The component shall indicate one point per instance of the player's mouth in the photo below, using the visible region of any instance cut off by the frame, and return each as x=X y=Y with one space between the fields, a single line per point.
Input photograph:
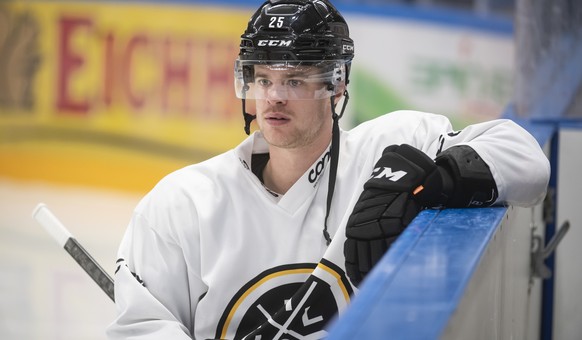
x=277 y=118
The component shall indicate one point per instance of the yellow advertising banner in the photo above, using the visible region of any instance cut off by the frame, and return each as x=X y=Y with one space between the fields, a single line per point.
x=114 y=94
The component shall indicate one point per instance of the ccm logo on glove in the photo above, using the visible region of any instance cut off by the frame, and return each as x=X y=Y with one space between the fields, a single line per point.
x=387 y=173
x=391 y=199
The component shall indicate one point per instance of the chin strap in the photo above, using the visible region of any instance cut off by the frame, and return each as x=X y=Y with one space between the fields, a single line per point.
x=335 y=146
x=248 y=118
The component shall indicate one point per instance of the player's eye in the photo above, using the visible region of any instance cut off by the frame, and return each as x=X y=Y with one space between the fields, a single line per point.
x=294 y=82
x=263 y=82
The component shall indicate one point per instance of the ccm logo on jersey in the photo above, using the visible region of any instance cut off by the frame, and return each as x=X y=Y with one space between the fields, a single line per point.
x=275 y=43
x=318 y=168
x=385 y=172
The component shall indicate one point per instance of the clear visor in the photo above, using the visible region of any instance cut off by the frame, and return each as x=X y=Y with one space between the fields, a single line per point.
x=288 y=80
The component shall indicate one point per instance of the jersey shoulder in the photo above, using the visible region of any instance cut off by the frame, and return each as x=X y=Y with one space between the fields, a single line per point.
x=195 y=180
x=397 y=127
x=399 y=119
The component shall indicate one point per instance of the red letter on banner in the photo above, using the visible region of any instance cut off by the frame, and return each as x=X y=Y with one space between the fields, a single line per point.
x=68 y=63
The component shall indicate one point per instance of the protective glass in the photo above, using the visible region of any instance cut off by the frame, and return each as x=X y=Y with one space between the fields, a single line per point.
x=288 y=80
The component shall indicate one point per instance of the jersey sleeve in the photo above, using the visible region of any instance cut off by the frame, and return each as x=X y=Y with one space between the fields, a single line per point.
x=517 y=163
x=156 y=289
x=519 y=166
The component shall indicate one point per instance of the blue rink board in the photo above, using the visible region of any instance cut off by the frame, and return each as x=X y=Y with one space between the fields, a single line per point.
x=415 y=288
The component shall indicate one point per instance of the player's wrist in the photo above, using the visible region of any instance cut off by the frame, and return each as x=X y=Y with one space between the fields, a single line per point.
x=473 y=184
x=436 y=190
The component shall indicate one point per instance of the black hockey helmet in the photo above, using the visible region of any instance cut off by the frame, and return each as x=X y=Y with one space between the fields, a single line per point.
x=295 y=33
x=297 y=30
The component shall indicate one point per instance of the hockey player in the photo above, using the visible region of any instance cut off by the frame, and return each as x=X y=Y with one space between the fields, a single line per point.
x=273 y=237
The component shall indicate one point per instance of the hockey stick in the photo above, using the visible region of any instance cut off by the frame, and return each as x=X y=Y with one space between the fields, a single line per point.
x=65 y=239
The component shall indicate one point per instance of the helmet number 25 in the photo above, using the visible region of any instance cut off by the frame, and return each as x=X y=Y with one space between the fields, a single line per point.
x=276 y=22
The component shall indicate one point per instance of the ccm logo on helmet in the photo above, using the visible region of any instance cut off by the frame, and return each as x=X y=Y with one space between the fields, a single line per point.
x=347 y=48
x=275 y=43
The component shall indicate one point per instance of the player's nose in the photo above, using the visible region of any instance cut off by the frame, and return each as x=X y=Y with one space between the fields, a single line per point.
x=277 y=94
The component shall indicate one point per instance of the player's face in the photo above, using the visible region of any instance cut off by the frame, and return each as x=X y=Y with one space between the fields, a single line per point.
x=287 y=122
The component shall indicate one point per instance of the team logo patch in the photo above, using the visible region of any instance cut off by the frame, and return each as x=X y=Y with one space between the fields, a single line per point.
x=286 y=302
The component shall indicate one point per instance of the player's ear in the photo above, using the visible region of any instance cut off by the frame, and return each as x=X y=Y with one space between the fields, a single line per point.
x=251 y=106
x=339 y=93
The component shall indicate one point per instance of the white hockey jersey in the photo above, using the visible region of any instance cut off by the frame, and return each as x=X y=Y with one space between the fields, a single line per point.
x=211 y=254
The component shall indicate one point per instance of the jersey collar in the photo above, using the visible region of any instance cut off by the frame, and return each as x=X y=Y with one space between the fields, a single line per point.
x=303 y=190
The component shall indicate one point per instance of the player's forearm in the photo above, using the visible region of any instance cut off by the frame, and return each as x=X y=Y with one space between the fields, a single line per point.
x=520 y=168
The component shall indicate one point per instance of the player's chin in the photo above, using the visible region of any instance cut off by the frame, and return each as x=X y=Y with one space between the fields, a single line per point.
x=276 y=128
x=278 y=138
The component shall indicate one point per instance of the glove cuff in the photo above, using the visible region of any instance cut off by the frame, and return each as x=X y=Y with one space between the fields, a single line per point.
x=437 y=190
x=472 y=181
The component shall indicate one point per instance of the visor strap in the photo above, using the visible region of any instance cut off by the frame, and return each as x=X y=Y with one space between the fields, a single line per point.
x=346 y=98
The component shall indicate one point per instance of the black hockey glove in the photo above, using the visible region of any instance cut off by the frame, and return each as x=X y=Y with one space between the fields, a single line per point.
x=404 y=181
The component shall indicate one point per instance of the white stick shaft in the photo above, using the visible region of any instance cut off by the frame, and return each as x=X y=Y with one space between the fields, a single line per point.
x=51 y=223
x=66 y=240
